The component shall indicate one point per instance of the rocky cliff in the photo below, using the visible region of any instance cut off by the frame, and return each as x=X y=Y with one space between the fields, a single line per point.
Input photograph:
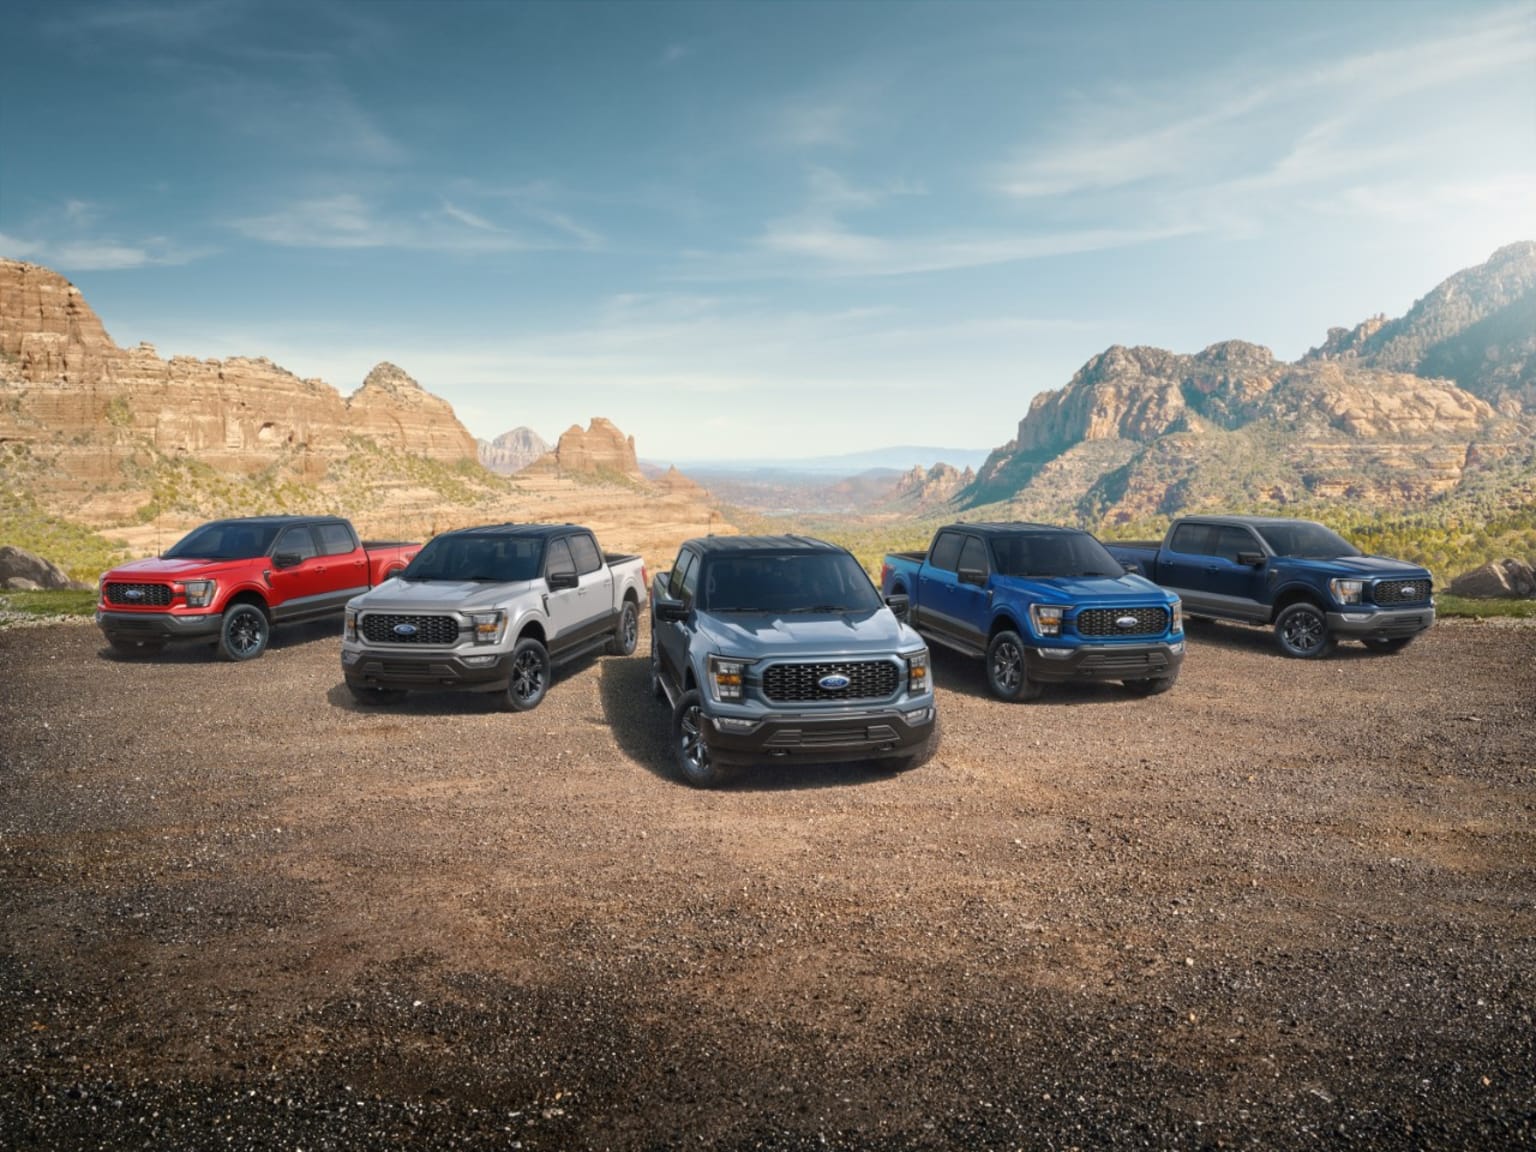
x=511 y=451
x=1355 y=419
x=599 y=450
x=933 y=485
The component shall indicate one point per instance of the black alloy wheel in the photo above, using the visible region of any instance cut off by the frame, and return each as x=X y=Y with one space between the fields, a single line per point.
x=529 y=678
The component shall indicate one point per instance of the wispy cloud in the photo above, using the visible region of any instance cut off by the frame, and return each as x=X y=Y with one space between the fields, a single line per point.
x=71 y=237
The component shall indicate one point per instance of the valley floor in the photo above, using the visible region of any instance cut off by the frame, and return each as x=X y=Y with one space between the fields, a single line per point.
x=1287 y=905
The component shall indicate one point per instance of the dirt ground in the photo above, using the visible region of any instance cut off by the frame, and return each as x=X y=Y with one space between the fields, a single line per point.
x=1287 y=905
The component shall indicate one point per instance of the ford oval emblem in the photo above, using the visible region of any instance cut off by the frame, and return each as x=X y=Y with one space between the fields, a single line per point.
x=133 y=594
x=835 y=682
x=1126 y=622
x=405 y=629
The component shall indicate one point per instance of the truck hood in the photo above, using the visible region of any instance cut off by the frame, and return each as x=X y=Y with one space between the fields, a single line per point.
x=1365 y=567
x=396 y=595
x=1114 y=591
x=156 y=567
x=875 y=632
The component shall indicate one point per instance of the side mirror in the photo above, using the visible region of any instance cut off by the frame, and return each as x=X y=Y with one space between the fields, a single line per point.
x=672 y=610
x=899 y=603
x=972 y=576
x=565 y=578
x=1252 y=559
x=287 y=560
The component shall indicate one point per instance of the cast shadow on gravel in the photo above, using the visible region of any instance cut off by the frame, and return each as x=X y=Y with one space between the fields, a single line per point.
x=966 y=676
x=642 y=724
x=1245 y=638
x=206 y=651
x=451 y=703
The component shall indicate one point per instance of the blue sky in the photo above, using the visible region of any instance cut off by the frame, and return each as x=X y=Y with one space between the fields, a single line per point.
x=756 y=229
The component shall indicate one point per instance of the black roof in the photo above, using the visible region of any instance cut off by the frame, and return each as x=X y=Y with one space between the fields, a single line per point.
x=999 y=527
x=734 y=545
x=538 y=531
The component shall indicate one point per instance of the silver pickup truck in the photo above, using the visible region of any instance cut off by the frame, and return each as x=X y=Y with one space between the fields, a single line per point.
x=490 y=610
x=779 y=647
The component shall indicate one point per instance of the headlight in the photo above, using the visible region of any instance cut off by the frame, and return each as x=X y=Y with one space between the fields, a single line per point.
x=1346 y=591
x=917 y=672
x=726 y=677
x=199 y=593
x=489 y=626
x=1046 y=618
x=349 y=628
x=1177 y=614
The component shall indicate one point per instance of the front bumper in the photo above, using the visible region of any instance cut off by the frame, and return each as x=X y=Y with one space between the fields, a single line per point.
x=1105 y=662
x=158 y=627
x=426 y=671
x=1383 y=624
x=819 y=738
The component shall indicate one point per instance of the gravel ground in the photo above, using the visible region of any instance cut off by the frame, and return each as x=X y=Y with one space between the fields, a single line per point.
x=1288 y=905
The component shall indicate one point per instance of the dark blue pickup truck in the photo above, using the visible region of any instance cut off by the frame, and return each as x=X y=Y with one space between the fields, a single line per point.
x=1042 y=604
x=1306 y=580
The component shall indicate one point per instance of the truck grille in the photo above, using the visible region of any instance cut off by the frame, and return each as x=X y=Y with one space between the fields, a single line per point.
x=1400 y=591
x=439 y=631
x=867 y=680
x=1103 y=621
x=139 y=595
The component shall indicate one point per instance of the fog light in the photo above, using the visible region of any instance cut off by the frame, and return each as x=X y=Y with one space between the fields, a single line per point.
x=480 y=661
x=1356 y=617
x=731 y=724
x=1176 y=647
x=1055 y=653
x=921 y=716
x=350 y=658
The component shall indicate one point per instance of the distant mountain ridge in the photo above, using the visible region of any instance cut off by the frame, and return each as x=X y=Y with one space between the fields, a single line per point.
x=1140 y=433
x=512 y=451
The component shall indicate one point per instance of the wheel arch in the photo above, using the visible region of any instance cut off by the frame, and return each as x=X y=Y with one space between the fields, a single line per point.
x=1295 y=594
x=1004 y=621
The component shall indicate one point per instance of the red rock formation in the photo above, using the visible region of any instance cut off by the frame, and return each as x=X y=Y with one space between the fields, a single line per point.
x=599 y=450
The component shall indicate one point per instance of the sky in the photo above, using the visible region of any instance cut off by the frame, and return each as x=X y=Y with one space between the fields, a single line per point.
x=748 y=230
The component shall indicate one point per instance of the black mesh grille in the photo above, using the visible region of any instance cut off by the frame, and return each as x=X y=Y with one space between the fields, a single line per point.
x=440 y=631
x=1105 y=621
x=867 y=680
x=1401 y=592
x=140 y=595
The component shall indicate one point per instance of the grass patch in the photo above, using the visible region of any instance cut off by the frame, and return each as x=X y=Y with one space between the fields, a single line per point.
x=51 y=602
x=1480 y=609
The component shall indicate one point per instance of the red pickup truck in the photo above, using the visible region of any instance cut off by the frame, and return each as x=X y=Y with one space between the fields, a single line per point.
x=231 y=580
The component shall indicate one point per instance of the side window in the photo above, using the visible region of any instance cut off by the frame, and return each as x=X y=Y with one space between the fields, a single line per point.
x=587 y=558
x=559 y=558
x=685 y=561
x=1230 y=540
x=946 y=551
x=691 y=581
x=299 y=540
x=973 y=554
x=336 y=540
x=1192 y=539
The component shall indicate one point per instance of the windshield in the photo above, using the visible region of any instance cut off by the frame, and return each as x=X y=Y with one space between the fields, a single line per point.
x=1052 y=554
x=1305 y=540
x=224 y=540
x=793 y=582
x=498 y=559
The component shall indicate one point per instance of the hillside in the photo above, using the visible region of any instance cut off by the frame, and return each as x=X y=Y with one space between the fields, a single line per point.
x=101 y=441
x=1431 y=415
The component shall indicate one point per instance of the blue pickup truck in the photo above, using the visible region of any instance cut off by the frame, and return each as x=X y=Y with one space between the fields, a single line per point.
x=1306 y=580
x=1041 y=604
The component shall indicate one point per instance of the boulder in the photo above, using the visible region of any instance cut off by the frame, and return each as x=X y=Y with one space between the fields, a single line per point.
x=1498 y=579
x=20 y=571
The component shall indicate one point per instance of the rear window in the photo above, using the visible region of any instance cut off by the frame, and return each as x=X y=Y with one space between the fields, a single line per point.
x=787 y=582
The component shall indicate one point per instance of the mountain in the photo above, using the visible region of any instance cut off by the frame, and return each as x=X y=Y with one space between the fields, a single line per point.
x=599 y=450
x=511 y=451
x=1391 y=414
x=899 y=458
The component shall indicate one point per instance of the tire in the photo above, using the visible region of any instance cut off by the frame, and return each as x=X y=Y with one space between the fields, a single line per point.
x=371 y=697
x=1390 y=646
x=529 y=679
x=1007 y=670
x=925 y=753
x=244 y=633
x=626 y=633
x=689 y=747
x=1301 y=631
x=135 y=647
x=1151 y=685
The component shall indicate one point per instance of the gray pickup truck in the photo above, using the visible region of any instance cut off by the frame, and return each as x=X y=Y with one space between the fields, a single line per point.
x=779 y=647
x=490 y=610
